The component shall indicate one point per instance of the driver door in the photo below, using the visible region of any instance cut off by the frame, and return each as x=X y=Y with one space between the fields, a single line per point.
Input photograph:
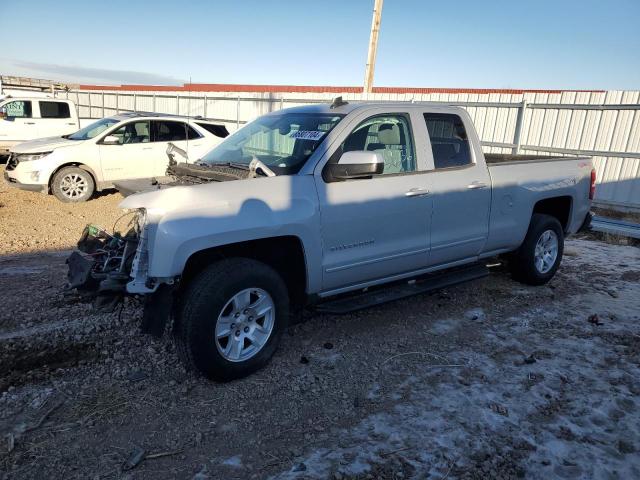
x=376 y=227
x=18 y=123
x=133 y=157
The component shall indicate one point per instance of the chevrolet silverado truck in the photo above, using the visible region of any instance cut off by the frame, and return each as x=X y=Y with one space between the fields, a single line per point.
x=335 y=206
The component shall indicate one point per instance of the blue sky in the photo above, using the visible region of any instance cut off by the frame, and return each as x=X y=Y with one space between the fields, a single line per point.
x=584 y=44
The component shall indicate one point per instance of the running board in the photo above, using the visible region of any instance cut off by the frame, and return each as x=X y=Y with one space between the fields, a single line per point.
x=425 y=284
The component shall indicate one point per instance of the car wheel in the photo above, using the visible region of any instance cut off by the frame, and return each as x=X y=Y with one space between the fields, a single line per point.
x=231 y=318
x=73 y=185
x=539 y=256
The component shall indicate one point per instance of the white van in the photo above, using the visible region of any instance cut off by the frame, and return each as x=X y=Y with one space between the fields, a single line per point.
x=24 y=118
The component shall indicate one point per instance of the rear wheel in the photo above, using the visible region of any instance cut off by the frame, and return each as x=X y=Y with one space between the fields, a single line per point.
x=232 y=317
x=73 y=185
x=539 y=256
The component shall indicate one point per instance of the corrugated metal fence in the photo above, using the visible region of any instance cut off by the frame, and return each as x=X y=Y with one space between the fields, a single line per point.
x=605 y=125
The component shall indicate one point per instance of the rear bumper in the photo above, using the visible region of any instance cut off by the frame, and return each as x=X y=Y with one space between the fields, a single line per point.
x=32 y=187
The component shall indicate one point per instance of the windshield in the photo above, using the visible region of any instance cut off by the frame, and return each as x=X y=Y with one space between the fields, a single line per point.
x=94 y=129
x=282 y=142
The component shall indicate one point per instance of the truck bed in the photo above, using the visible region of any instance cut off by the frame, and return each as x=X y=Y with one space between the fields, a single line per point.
x=518 y=182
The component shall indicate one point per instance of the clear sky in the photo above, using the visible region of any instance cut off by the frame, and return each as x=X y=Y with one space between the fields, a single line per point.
x=581 y=44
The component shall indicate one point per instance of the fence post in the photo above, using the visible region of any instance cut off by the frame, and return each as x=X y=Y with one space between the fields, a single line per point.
x=238 y=114
x=103 y=104
x=135 y=102
x=281 y=103
x=90 y=109
x=154 y=102
x=519 y=122
x=205 y=106
x=117 y=103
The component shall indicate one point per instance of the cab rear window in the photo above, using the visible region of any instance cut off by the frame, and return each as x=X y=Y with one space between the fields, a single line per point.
x=54 y=110
x=449 y=142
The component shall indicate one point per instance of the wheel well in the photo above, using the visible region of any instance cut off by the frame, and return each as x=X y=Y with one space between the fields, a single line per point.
x=284 y=254
x=558 y=207
x=73 y=164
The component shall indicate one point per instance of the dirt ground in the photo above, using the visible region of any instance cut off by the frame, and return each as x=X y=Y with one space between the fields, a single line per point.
x=490 y=379
x=33 y=222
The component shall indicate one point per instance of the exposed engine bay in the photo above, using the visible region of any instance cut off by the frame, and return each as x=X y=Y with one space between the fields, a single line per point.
x=185 y=173
x=101 y=266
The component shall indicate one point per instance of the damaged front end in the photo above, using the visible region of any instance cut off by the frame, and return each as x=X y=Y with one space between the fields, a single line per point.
x=104 y=264
x=106 y=267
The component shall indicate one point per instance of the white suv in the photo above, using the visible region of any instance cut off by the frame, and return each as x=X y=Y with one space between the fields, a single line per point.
x=126 y=146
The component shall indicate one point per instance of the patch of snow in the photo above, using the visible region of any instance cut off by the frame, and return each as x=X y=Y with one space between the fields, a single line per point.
x=235 y=461
x=545 y=387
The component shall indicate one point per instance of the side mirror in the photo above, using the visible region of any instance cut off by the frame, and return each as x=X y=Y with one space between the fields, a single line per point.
x=111 y=140
x=3 y=114
x=358 y=164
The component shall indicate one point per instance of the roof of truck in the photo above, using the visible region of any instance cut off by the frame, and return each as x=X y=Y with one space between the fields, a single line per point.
x=358 y=105
x=26 y=97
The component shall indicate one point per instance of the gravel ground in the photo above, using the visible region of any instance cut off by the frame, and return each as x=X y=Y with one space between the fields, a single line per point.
x=32 y=222
x=491 y=379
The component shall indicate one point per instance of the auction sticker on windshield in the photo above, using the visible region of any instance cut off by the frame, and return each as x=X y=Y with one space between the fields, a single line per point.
x=307 y=134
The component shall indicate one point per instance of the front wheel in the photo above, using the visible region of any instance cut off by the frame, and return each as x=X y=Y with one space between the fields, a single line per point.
x=73 y=185
x=231 y=318
x=539 y=256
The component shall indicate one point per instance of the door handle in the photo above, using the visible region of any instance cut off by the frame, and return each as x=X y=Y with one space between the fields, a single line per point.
x=417 y=192
x=147 y=148
x=29 y=123
x=476 y=185
x=70 y=123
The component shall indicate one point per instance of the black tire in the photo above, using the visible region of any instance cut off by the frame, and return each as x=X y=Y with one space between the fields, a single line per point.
x=523 y=264
x=204 y=300
x=62 y=191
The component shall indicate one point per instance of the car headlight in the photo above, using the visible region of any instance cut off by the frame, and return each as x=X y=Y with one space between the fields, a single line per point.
x=28 y=157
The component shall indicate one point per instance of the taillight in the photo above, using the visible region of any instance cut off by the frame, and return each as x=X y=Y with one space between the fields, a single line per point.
x=592 y=189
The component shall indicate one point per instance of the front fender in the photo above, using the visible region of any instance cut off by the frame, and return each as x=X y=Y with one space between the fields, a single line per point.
x=213 y=215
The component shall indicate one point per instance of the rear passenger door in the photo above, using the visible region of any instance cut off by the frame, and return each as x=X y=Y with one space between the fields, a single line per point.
x=182 y=135
x=461 y=191
x=55 y=119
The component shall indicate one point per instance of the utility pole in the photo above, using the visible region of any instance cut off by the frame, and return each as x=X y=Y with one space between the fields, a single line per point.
x=373 y=46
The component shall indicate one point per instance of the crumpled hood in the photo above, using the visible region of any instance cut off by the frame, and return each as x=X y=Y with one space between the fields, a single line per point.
x=44 y=145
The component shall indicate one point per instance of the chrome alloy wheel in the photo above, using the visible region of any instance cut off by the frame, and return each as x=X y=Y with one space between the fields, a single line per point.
x=245 y=324
x=546 y=251
x=74 y=186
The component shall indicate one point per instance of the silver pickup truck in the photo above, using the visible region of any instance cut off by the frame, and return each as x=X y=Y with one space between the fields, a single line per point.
x=335 y=206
